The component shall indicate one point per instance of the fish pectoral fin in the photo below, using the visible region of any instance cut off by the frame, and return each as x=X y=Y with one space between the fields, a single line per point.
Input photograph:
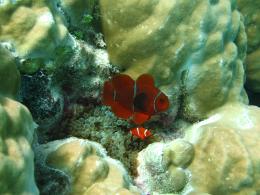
x=139 y=118
x=121 y=112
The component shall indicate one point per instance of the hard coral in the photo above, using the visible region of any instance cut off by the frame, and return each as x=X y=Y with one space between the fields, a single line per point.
x=9 y=75
x=83 y=74
x=86 y=165
x=16 y=137
x=216 y=156
x=44 y=101
x=35 y=28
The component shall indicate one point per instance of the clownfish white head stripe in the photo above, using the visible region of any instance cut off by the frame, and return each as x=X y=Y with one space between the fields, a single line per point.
x=154 y=105
x=145 y=132
x=140 y=132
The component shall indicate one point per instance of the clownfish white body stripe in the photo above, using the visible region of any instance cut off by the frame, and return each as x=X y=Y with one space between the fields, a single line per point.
x=141 y=132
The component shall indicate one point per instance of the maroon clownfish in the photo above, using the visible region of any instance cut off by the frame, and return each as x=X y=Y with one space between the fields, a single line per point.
x=141 y=132
x=136 y=100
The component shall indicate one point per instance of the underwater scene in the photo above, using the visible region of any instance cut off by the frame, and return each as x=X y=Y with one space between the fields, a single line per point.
x=130 y=97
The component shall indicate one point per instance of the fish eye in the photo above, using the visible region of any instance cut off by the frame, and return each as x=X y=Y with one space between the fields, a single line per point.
x=161 y=103
x=161 y=100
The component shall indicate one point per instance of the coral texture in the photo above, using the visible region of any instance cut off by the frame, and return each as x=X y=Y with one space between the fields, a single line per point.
x=34 y=28
x=76 y=9
x=74 y=79
x=253 y=71
x=200 y=45
x=86 y=165
x=9 y=75
x=16 y=155
x=250 y=9
x=16 y=133
x=219 y=155
x=102 y=126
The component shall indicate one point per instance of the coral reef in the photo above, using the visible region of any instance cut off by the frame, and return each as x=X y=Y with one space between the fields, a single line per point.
x=85 y=165
x=195 y=50
x=33 y=28
x=9 y=75
x=216 y=156
x=76 y=9
x=101 y=125
x=16 y=133
x=83 y=20
x=16 y=155
x=203 y=42
x=253 y=71
x=83 y=73
x=250 y=10
x=52 y=94
x=45 y=102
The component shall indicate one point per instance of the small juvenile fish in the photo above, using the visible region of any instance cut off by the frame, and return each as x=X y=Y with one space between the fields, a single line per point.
x=136 y=100
x=140 y=132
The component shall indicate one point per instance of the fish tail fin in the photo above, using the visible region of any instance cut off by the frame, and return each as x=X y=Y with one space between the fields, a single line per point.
x=108 y=94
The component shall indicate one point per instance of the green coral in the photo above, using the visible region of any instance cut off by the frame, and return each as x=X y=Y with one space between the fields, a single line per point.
x=9 y=75
x=87 y=19
x=30 y=66
x=16 y=136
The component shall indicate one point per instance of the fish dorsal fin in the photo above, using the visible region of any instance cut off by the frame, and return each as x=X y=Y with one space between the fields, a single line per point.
x=145 y=79
x=121 y=82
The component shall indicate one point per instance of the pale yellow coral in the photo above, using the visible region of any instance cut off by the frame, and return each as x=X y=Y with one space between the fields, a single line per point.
x=192 y=48
x=220 y=155
x=34 y=28
x=90 y=170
